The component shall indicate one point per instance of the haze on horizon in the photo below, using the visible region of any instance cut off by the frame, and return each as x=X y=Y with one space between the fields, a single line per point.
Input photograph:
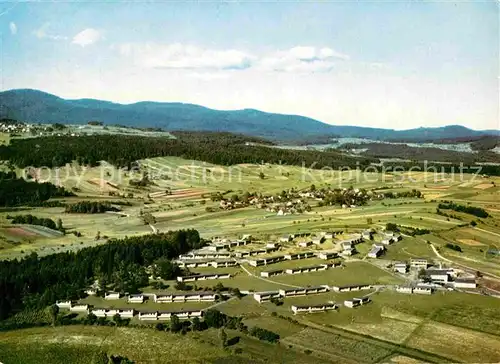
x=395 y=65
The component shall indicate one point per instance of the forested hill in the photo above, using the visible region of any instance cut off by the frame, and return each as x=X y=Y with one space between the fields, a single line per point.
x=34 y=106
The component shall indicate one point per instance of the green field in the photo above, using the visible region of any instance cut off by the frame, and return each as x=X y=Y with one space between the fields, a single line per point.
x=447 y=326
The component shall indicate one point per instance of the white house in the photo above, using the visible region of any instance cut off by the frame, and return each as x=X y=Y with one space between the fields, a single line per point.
x=465 y=283
x=265 y=296
x=328 y=255
x=271 y=273
x=404 y=289
x=302 y=291
x=356 y=302
x=272 y=245
x=377 y=250
x=63 y=304
x=439 y=275
x=419 y=289
x=401 y=267
x=135 y=298
x=304 y=244
x=148 y=315
x=419 y=263
x=111 y=296
x=79 y=308
x=314 y=308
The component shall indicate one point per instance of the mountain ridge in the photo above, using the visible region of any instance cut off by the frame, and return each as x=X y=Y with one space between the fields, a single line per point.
x=35 y=106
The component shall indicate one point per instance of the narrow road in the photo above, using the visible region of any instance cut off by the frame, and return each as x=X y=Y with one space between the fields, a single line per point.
x=155 y=230
x=267 y=280
x=486 y=231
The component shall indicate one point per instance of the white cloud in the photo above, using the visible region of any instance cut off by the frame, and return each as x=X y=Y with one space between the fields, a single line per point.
x=13 y=28
x=302 y=59
x=180 y=56
x=43 y=32
x=87 y=37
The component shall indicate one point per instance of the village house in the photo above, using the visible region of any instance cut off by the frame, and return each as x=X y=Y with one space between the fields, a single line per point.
x=387 y=241
x=185 y=297
x=63 y=304
x=355 y=302
x=112 y=296
x=439 y=275
x=367 y=234
x=239 y=243
x=467 y=283
x=126 y=313
x=148 y=315
x=202 y=277
x=313 y=268
x=355 y=287
x=223 y=263
x=271 y=273
x=404 y=289
x=296 y=256
x=318 y=240
x=304 y=244
x=401 y=267
x=135 y=298
x=265 y=261
x=183 y=314
x=272 y=245
x=314 y=308
x=79 y=308
x=346 y=245
x=419 y=263
x=286 y=238
x=218 y=247
x=348 y=252
x=377 y=250
x=265 y=296
x=302 y=291
x=327 y=255
x=421 y=289
x=91 y=292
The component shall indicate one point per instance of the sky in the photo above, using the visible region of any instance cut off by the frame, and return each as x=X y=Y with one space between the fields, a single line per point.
x=389 y=64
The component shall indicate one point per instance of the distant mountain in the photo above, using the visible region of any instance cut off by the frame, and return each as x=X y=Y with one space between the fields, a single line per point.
x=35 y=106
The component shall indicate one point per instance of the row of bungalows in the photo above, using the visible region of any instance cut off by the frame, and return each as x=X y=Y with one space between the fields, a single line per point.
x=167 y=315
x=355 y=302
x=419 y=263
x=314 y=308
x=326 y=255
x=419 y=289
x=302 y=255
x=204 y=263
x=205 y=255
x=305 y=244
x=203 y=277
x=272 y=273
x=349 y=288
x=69 y=305
x=185 y=297
x=376 y=251
x=266 y=296
x=250 y=253
x=266 y=261
x=136 y=298
x=304 y=291
x=312 y=268
x=401 y=267
x=110 y=312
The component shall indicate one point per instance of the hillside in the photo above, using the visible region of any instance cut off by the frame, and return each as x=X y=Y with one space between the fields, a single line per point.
x=35 y=106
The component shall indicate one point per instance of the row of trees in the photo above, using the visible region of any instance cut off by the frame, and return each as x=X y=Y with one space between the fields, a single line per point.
x=35 y=282
x=471 y=210
x=17 y=191
x=41 y=221
x=124 y=150
x=89 y=207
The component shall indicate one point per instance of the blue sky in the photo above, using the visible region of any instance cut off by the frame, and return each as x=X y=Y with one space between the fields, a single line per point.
x=385 y=64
